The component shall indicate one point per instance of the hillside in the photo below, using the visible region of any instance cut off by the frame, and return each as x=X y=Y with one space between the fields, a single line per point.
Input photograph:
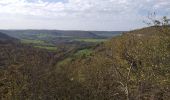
x=129 y=67
x=6 y=38
x=60 y=33
x=133 y=66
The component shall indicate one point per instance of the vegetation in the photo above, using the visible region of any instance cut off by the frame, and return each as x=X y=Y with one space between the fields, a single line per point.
x=58 y=37
x=133 y=66
x=51 y=48
x=26 y=41
x=91 y=40
x=84 y=52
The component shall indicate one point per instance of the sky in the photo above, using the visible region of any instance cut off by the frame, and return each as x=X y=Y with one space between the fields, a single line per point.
x=100 y=15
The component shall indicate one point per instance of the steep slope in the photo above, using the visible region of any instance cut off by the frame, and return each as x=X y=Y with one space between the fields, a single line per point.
x=128 y=67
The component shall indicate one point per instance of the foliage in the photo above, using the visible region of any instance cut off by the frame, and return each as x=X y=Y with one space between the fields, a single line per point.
x=133 y=66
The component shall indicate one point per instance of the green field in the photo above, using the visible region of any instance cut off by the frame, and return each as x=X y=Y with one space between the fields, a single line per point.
x=39 y=44
x=36 y=42
x=48 y=46
x=27 y=41
x=78 y=54
x=84 y=52
x=91 y=40
x=51 y=48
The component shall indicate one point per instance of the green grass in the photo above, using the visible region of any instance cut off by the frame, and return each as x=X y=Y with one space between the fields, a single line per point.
x=27 y=41
x=80 y=53
x=36 y=42
x=84 y=52
x=51 y=48
x=39 y=44
x=91 y=40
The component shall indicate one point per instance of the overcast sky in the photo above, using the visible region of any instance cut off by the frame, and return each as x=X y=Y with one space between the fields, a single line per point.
x=79 y=14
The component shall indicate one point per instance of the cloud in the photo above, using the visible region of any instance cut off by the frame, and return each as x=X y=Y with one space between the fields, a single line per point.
x=60 y=8
x=81 y=14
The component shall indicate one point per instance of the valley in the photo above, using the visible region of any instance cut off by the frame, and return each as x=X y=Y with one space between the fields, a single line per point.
x=51 y=39
x=84 y=49
x=93 y=68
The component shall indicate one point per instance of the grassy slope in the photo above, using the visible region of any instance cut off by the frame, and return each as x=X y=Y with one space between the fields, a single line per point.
x=79 y=54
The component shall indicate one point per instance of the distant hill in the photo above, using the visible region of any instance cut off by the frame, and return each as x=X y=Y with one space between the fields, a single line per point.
x=60 y=33
x=5 y=38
